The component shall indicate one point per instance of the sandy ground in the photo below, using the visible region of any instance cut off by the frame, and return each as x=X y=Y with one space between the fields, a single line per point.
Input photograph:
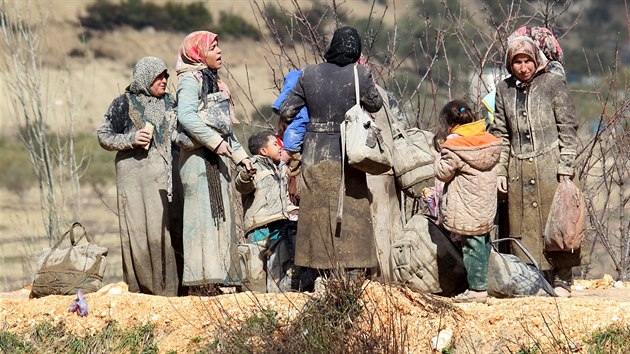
x=498 y=326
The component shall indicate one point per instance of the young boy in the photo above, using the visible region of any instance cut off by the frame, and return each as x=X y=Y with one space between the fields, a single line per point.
x=269 y=214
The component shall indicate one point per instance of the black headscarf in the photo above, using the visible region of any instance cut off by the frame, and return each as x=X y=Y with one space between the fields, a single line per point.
x=345 y=47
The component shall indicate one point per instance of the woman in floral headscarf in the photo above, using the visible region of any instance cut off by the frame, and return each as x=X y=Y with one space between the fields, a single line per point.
x=149 y=192
x=328 y=91
x=535 y=117
x=205 y=115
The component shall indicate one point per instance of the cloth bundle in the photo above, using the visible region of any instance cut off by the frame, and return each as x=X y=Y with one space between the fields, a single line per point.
x=509 y=276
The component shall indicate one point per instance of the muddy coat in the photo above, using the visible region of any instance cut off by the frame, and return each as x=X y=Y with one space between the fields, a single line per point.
x=385 y=205
x=538 y=127
x=210 y=241
x=150 y=219
x=468 y=167
x=328 y=91
x=266 y=197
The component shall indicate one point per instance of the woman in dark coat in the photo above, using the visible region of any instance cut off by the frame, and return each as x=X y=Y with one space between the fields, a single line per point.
x=536 y=119
x=327 y=89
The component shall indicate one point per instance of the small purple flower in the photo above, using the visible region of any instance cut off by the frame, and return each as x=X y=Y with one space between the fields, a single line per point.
x=79 y=305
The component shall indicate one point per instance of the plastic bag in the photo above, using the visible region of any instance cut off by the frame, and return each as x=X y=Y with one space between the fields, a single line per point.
x=564 y=230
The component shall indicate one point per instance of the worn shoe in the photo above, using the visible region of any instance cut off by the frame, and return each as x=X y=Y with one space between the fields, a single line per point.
x=562 y=292
x=472 y=296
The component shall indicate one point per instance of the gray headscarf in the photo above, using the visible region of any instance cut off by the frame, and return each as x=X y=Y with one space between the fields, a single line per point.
x=145 y=71
x=151 y=109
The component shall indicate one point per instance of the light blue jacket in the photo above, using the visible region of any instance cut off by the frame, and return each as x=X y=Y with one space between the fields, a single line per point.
x=294 y=134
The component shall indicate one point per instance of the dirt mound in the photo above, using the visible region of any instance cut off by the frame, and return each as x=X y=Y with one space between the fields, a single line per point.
x=492 y=327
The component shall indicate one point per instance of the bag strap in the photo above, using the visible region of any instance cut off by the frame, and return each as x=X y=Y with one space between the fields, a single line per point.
x=545 y=284
x=85 y=234
x=392 y=123
x=72 y=241
x=356 y=85
x=342 y=187
x=342 y=128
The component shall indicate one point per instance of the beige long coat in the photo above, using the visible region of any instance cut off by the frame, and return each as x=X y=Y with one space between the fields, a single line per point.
x=385 y=205
x=538 y=127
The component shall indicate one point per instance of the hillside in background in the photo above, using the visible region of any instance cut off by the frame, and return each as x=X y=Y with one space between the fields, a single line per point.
x=84 y=67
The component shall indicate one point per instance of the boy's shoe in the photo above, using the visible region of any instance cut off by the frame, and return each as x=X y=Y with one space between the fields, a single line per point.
x=472 y=296
x=320 y=285
x=562 y=292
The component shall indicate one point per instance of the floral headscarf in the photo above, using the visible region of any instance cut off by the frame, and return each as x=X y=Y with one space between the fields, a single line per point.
x=345 y=47
x=544 y=39
x=144 y=73
x=191 y=57
x=525 y=45
x=192 y=53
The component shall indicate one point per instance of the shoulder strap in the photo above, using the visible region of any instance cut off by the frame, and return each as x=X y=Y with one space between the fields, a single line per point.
x=356 y=85
x=342 y=187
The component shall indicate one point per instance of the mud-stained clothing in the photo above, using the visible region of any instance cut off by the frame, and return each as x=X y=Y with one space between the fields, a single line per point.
x=147 y=183
x=210 y=235
x=385 y=205
x=538 y=125
x=328 y=91
x=468 y=167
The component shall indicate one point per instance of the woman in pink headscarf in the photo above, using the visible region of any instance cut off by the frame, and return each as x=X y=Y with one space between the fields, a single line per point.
x=205 y=115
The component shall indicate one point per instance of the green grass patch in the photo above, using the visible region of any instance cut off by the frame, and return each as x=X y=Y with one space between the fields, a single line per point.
x=50 y=337
x=611 y=340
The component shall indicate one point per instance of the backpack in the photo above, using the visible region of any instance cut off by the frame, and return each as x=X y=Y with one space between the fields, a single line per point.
x=426 y=260
x=412 y=158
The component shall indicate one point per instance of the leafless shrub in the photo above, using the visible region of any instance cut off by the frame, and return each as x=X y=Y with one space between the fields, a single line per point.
x=52 y=155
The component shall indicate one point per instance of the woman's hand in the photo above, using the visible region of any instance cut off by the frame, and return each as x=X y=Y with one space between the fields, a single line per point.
x=142 y=138
x=224 y=149
x=502 y=184
x=249 y=167
x=285 y=156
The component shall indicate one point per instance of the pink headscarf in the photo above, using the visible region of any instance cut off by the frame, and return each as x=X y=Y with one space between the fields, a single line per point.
x=191 y=55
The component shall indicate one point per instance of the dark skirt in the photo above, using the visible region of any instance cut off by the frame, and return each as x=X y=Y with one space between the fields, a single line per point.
x=322 y=242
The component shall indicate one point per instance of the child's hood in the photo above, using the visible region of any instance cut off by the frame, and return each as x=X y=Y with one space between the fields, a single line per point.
x=476 y=147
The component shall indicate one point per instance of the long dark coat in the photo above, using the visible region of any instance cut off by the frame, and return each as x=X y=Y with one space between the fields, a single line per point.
x=328 y=91
x=538 y=127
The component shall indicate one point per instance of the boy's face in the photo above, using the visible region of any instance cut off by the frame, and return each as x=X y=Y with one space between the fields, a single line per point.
x=271 y=149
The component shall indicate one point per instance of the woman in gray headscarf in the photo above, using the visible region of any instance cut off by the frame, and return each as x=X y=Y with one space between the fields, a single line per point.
x=138 y=125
